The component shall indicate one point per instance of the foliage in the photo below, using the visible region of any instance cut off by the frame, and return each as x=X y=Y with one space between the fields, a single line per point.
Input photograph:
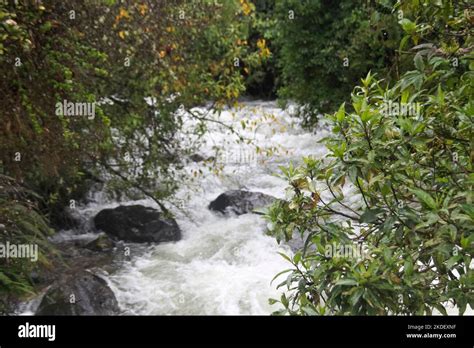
x=113 y=54
x=140 y=64
x=324 y=47
x=263 y=80
x=21 y=223
x=397 y=186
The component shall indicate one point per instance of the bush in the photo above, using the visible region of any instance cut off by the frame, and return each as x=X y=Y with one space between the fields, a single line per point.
x=388 y=215
x=114 y=54
x=314 y=39
x=137 y=63
x=21 y=224
x=262 y=81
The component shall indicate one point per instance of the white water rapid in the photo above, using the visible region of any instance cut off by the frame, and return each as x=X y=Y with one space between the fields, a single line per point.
x=222 y=265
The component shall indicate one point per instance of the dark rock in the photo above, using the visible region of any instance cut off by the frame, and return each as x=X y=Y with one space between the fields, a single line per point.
x=75 y=253
x=197 y=158
x=91 y=295
x=36 y=277
x=136 y=223
x=101 y=243
x=63 y=216
x=240 y=202
x=64 y=219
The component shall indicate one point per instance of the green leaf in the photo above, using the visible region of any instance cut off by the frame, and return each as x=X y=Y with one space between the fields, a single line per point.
x=346 y=281
x=408 y=267
x=285 y=257
x=419 y=62
x=440 y=308
x=407 y=25
x=309 y=311
x=469 y=209
x=440 y=95
x=404 y=41
x=280 y=273
x=272 y=301
x=341 y=113
x=356 y=296
x=370 y=215
x=297 y=258
x=425 y=198
x=453 y=261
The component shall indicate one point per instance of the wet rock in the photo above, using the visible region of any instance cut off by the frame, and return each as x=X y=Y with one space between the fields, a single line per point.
x=139 y=224
x=80 y=294
x=240 y=202
x=102 y=243
x=77 y=254
x=65 y=219
x=197 y=158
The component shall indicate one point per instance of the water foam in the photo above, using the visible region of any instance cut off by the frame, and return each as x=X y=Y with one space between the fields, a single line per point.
x=223 y=265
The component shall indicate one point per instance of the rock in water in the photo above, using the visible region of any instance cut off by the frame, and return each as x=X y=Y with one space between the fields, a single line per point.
x=197 y=158
x=240 y=202
x=101 y=243
x=79 y=294
x=136 y=223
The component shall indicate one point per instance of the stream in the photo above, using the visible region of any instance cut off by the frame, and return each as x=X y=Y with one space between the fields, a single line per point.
x=223 y=264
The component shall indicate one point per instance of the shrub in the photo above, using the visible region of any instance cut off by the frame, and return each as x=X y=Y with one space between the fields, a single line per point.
x=324 y=47
x=21 y=224
x=396 y=186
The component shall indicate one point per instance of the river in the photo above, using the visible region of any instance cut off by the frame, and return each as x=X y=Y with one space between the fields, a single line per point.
x=222 y=265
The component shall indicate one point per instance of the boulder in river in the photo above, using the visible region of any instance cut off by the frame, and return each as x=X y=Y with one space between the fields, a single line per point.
x=240 y=202
x=101 y=243
x=137 y=223
x=79 y=294
x=197 y=158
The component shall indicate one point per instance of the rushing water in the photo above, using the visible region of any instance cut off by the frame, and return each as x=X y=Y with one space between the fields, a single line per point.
x=222 y=265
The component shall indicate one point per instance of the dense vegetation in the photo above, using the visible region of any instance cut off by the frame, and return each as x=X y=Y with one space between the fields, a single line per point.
x=112 y=54
x=324 y=47
x=407 y=247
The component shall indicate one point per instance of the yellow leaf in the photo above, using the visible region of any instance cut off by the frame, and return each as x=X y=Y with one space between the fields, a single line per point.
x=142 y=8
x=121 y=34
x=123 y=13
x=246 y=8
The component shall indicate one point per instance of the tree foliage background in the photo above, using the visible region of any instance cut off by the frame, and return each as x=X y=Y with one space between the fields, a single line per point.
x=139 y=62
